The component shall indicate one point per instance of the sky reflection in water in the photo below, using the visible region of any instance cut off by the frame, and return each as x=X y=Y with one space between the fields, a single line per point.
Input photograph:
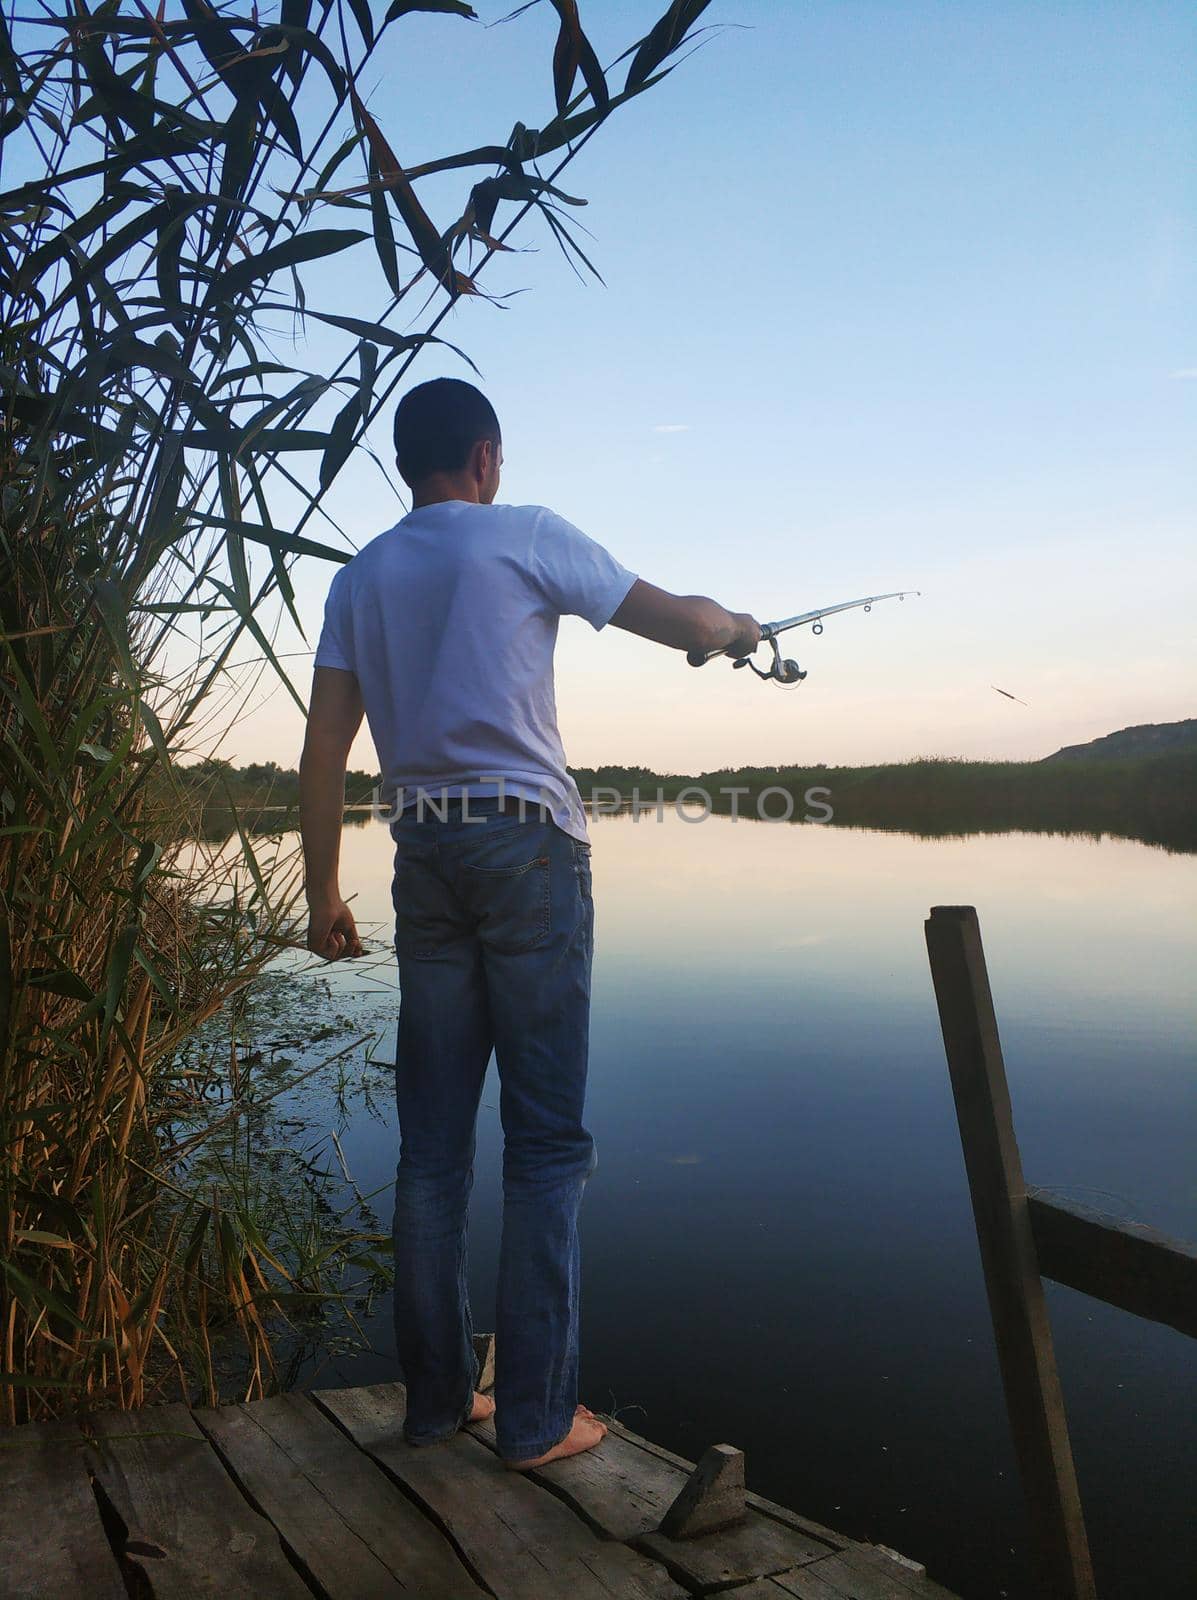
x=778 y=1246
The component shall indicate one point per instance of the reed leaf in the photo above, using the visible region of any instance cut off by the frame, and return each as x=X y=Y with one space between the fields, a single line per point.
x=161 y=452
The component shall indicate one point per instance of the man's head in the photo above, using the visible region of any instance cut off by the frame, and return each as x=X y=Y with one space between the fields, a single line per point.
x=447 y=442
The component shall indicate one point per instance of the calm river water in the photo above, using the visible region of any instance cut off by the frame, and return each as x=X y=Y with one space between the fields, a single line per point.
x=778 y=1246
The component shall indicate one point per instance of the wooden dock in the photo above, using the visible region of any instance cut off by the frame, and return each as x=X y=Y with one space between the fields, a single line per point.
x=317 y=1494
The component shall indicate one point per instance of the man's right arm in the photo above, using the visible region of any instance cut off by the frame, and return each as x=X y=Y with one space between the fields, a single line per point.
x=334 y=717
x=686 y=622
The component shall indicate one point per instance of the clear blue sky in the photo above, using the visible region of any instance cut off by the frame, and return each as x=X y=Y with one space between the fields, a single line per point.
x=896 y=295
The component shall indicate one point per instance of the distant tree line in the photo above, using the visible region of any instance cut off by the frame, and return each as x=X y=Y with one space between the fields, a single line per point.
x=1150 y=798
x=218 y=783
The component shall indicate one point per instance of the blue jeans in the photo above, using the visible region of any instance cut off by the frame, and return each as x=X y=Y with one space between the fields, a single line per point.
x=494 y=934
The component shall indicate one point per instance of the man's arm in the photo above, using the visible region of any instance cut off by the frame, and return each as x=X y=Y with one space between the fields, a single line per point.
x=334 y=716
x=686 y=622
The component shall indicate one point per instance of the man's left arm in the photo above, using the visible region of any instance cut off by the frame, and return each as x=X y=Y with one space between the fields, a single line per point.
x=334 y=716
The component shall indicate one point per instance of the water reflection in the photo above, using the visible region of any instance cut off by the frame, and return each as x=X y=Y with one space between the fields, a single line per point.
x=779 y=1247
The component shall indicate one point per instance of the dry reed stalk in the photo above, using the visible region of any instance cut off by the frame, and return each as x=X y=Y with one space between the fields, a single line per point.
x=148 y=435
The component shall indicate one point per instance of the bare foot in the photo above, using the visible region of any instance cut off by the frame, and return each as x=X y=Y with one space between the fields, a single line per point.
x=587 y=1431
x=484 y=1406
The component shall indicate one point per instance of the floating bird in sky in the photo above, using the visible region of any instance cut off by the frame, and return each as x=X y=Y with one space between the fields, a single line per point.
x=1008 y=695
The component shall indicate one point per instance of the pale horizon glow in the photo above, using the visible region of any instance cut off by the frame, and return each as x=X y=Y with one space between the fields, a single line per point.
x=923 y=326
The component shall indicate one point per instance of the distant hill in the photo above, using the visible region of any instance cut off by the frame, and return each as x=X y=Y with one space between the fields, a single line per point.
x=1149 y=739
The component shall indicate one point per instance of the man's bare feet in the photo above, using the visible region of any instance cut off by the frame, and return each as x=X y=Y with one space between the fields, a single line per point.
x=587 y=1431
x=484 y=1406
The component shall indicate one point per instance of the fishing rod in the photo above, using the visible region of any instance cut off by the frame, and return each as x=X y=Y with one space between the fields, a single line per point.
x=787 y=671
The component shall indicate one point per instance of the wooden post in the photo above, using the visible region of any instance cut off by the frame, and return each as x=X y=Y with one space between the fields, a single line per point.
x=1016 y=1301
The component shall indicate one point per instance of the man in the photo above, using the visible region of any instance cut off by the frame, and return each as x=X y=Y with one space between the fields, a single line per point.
x=442 y=630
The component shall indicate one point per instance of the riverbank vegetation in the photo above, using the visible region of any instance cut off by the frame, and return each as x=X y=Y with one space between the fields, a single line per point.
x=1151 y=798
x=166 y=449
x=216 y=785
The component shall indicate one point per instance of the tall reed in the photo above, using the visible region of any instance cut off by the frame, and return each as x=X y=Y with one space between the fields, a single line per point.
x=164 y=176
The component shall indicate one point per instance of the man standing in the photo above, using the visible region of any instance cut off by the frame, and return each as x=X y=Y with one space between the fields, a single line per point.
x=442 y=631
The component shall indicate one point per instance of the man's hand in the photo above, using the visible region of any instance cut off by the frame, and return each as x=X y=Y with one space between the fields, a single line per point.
x=688 y=622
x=332 y=932
x=748 y=637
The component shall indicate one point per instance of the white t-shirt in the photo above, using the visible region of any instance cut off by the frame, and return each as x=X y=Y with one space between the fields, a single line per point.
x=448 y=621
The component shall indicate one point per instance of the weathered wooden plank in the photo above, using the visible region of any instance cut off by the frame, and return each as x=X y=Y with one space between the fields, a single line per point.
x=621 y=1491
x=801 y=1582
x=188 y=1526
x=758 y=1502
x=908 y=1562
x=342 y=1519
x=1123 y=1263
x=520 y=1540
x=897 y=1569
x=1022 y=1331
x=53 y=1541
x=625 y=1486
x=862 y=1573
x=754 y=1548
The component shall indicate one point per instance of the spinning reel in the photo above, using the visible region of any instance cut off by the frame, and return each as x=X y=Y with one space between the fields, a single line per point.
x=784 y=670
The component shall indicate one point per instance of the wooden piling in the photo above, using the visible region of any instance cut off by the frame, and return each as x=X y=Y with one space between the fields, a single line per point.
x=1004 y=1232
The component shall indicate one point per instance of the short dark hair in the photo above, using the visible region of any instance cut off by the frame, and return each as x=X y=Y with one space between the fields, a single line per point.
x=437 y=424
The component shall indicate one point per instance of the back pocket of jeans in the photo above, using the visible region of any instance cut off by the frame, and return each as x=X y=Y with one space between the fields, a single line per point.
x=511 y=903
